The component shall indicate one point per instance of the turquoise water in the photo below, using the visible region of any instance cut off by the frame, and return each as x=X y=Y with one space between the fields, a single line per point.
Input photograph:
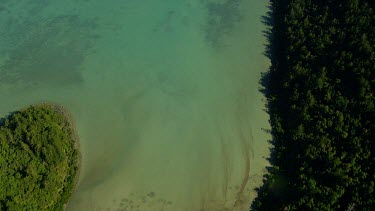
x=164 y=94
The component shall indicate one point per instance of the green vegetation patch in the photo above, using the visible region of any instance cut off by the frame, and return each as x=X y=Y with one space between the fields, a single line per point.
x=38 y=159
x=322 y=106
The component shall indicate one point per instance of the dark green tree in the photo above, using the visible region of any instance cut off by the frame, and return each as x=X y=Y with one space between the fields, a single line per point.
x=38 y=159
x=321 y=104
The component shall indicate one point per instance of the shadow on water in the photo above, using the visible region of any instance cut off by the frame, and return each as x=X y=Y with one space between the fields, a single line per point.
x=269 y=52
x=272 y=51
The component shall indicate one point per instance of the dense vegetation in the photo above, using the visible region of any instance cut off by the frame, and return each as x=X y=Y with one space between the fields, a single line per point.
x=321 y=103
x=38 y=159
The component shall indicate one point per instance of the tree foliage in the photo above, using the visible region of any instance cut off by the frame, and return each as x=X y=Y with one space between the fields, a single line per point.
x=38 y=159
x=321 y=103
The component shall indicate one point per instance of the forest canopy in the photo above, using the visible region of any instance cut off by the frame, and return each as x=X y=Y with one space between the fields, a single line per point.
x=321 y=103
x=38 y=159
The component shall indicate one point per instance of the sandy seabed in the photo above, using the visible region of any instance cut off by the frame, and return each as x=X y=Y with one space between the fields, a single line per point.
x=165 y=94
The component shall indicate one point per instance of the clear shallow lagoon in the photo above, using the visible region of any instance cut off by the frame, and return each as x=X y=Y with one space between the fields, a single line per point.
x=164 y=94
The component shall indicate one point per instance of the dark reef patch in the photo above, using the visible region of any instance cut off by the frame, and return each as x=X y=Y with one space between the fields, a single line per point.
x=221 y=20
x=46 y=50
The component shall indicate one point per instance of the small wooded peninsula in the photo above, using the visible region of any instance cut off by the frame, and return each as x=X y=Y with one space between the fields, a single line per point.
x=321 y=99
x=39 y=158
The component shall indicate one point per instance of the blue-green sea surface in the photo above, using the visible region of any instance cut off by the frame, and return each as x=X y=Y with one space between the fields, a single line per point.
x=164 y=94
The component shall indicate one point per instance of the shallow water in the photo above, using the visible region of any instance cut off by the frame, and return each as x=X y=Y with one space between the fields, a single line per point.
x=164 y=94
